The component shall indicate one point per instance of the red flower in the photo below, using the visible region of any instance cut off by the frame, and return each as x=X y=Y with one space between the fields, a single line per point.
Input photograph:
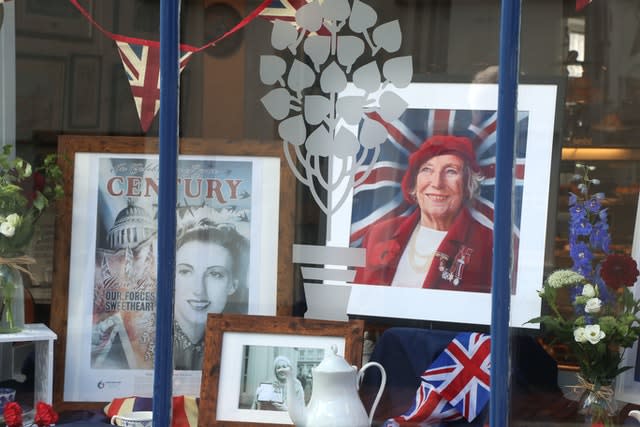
x=12 y=414
x=619 y=270
x=45 y=415
x=384 y=253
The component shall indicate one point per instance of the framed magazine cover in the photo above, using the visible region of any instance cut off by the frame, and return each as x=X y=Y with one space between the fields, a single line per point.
x=105 y=256
x=462 y=110
x=261 y=342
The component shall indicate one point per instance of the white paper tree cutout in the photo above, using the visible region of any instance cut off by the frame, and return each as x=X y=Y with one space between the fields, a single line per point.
x=318 y=124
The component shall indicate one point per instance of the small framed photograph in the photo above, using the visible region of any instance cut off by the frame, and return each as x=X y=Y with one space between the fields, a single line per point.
x=247 y=354
x=106 y=248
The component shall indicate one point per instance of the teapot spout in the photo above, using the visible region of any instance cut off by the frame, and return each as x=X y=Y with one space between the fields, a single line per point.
x=295 y=402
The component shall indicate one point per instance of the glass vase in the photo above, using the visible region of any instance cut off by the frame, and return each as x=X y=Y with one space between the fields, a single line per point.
x=598 y=404
x=11 y=300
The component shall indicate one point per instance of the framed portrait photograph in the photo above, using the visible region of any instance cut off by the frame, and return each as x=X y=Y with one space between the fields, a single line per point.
x=106 y=257
x=247 y=354
x=421 y=271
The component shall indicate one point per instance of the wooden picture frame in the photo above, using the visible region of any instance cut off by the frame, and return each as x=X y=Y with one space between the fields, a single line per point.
x=63 y=275
x=228 y=335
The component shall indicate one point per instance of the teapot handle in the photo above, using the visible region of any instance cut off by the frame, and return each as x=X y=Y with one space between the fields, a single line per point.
x=383 y=383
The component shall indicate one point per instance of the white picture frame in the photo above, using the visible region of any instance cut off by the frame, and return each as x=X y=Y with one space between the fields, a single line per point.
x=538 y=104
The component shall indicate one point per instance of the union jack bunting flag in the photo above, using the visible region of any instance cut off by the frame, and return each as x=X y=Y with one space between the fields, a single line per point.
x=456 y=385
x=285 y=10
x=379 y=196
x=142 y=65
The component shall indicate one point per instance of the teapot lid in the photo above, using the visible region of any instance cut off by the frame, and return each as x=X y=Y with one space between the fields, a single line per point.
x=332 y=362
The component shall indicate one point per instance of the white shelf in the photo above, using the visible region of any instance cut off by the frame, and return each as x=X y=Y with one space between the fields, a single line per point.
x=43 y=338
x=31 y=332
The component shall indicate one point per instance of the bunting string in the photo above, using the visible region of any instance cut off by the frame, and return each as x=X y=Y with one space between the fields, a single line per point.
x=141 y=61
x=184 y=47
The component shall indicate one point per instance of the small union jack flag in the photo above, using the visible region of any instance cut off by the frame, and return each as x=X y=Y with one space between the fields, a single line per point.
x=142 y=64
x=456 y=385
x=428 y=408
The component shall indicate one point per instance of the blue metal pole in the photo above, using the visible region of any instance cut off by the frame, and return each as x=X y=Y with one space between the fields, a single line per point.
x=163 y=365
x=503 y=221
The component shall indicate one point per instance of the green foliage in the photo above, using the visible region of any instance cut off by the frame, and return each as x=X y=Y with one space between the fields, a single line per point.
x=598 y=337
x=24 y=195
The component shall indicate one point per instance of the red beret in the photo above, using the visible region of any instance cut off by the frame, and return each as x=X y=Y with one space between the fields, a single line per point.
x=437 y=145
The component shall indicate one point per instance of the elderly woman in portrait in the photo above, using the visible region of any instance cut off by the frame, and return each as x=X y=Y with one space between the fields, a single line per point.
x=212 y=260
x=273 y=395
x=440 y=245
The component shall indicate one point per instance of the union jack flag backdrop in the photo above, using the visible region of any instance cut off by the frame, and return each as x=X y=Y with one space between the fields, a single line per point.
x=456 y=385
x=379 y=197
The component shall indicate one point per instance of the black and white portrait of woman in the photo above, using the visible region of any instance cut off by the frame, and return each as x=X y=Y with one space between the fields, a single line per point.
x=212 y=260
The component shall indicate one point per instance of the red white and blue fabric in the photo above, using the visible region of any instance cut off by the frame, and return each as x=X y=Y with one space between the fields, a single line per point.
x=285 y=10
x=184 y=408
x=379 y=197
x=456 y=385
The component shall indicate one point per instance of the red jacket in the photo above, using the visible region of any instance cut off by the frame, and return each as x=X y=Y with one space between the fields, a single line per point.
x=467 y=248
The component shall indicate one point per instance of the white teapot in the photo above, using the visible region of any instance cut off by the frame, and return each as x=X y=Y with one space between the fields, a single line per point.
x=334 y=399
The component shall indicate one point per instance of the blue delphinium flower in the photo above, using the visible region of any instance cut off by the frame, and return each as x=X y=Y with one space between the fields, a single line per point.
x=577 y=212
x=588 y=227
x=593 y=205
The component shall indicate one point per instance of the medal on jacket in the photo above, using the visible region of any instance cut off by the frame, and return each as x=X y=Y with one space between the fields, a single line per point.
x=454 y=270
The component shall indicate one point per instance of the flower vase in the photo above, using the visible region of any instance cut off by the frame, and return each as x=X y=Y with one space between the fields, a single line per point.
x=11 y=300
x=598 y=404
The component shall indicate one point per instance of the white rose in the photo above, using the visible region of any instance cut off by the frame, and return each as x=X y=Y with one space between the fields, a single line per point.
x=7 y=229
x=27 y=170
x=579 y=335
x=588 y=291
x=593 y=333
x=593 y=305
x=14 y=219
